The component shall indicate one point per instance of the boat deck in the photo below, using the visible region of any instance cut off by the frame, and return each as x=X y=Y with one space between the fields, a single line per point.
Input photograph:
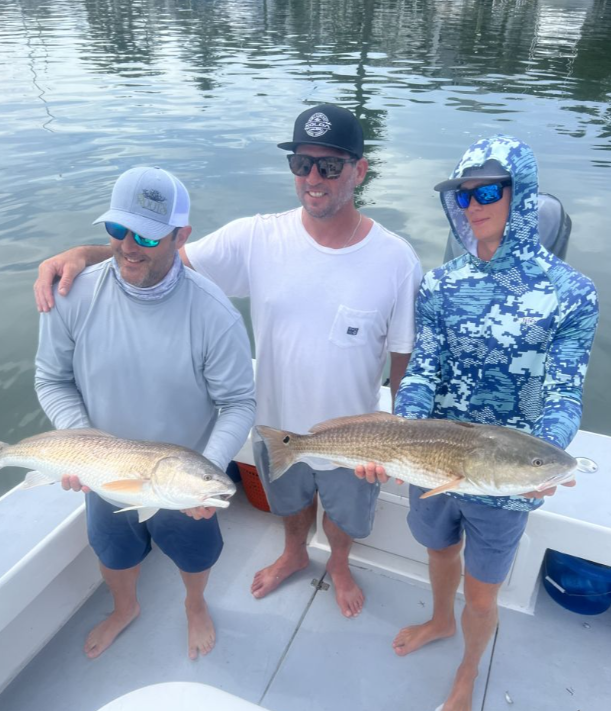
x=293 y=651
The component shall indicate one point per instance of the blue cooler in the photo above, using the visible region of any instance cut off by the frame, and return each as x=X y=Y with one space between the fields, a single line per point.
x=577 y=584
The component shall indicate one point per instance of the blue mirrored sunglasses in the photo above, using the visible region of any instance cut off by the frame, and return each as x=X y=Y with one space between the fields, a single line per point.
x=119 y=232
x=484 y=194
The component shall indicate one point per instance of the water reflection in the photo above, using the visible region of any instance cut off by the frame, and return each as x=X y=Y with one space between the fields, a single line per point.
x=93 y=87
x=543 y=49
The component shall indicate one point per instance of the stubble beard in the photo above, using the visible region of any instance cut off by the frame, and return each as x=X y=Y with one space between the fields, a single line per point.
x=151 y=277
x=345 y=196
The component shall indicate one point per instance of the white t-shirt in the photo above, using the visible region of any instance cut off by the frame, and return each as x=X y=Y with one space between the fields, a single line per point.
x=324 y=319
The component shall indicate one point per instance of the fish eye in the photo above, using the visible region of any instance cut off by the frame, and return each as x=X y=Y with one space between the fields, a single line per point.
x=207 y=477
x=537 y=462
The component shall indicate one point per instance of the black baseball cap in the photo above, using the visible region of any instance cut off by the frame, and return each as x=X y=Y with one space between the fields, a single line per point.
x=327 y=125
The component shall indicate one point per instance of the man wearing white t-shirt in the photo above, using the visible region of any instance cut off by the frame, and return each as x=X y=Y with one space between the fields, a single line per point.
x=332 y=293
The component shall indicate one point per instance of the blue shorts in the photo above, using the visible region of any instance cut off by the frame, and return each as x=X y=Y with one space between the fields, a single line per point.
x=349 y=502
x=491 y=535
x=121 y=542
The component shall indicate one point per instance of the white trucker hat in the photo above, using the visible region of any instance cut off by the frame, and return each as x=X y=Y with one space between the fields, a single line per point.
x=148 y=201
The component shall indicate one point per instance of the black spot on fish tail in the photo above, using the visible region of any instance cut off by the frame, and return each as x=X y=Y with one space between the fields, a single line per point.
x=279 y=450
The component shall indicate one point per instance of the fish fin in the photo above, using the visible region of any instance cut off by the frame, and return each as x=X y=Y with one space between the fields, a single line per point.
x=78 y=432
x=33 y=479
x=278 y=443
x=131 y=486
x=144 y=512
x=352 y=420
x=466 y=425
x=88 y=432
x=444 y=487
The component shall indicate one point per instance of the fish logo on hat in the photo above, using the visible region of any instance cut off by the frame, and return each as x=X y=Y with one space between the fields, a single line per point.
x=153 y=200
x=317 y=125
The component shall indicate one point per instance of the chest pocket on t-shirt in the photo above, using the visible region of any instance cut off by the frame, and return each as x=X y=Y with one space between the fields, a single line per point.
x=355 y=328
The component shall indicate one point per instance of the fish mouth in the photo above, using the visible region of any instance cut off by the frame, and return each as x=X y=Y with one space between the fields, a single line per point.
x=221 y=499
x=556 y=480
x=584 y=465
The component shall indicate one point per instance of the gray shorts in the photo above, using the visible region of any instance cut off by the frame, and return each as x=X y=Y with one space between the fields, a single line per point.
x=350 y=502
x=491 y=535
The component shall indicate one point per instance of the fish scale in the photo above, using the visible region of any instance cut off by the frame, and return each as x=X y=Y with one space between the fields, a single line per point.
x=443 y=455
x=412 y=454
x=133 y=473
x=93 y=455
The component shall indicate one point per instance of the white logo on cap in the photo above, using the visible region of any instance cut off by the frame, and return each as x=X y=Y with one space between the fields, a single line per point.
x=153 y=200
x=317 y=125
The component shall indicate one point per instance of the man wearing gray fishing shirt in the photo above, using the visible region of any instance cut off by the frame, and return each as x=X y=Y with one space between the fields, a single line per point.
x=146 y=349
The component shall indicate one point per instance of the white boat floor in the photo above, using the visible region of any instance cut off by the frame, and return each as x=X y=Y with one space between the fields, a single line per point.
x=293 y=651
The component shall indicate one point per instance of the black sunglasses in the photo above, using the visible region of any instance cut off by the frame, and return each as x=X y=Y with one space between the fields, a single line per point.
x=484 y=194
x=119 y=232
x=329 y=167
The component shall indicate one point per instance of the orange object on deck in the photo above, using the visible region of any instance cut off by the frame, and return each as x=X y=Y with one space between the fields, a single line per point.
x=253 y=486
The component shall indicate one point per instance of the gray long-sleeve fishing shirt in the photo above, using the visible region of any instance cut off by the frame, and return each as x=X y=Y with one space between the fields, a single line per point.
x=177 y=369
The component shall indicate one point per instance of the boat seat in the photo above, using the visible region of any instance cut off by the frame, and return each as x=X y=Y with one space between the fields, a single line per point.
x=179 y=696
x=554 y=229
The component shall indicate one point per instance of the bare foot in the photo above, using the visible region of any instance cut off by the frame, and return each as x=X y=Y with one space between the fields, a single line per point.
x=348 y=594
x=202 y=635
x=104 y=634
x=412 y=638
x=461 y=695
x=268 y=579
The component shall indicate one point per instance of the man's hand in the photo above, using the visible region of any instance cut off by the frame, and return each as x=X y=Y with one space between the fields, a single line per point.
x=373 y=472
x=72 y=483
x=546 y=492
x=200 y=512
x=66 y=266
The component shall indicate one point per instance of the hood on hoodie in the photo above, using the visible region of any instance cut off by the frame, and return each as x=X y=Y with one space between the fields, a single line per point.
x=521 y=235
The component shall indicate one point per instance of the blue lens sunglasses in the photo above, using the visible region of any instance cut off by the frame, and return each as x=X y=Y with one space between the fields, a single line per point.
x=484 y=194
x=119 y=232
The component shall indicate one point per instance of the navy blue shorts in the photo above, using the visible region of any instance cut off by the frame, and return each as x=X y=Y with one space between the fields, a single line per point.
x=350 y=502
x=121 y=542
x=491 y=535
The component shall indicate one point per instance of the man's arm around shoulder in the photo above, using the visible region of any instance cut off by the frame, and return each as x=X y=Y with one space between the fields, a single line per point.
x=65 y=267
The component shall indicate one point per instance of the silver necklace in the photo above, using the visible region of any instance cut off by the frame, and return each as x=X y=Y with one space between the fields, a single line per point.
x=358 y=224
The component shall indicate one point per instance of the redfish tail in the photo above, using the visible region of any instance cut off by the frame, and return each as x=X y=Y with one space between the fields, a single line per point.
x=279 y=449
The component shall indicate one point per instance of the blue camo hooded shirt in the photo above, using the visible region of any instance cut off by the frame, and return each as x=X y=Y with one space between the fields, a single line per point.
x=505 y=341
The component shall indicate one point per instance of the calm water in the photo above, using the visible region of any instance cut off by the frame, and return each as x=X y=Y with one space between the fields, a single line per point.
x=91 y=88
